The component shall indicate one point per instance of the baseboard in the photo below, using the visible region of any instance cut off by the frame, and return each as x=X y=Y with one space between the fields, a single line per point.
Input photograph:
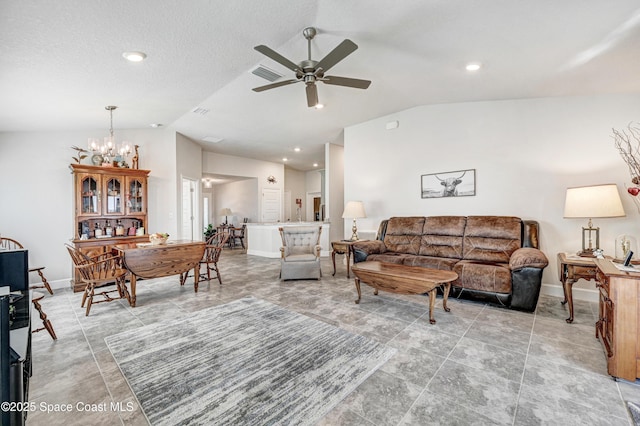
x=55 y=284
x=585 y=294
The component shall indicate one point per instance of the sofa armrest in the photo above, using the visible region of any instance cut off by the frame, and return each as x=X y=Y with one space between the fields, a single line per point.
x=527 y=257
x=362 y=249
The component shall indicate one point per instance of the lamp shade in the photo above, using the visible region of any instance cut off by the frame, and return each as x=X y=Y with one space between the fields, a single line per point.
x=225 y=212
x=354 y=210
x=593 y=201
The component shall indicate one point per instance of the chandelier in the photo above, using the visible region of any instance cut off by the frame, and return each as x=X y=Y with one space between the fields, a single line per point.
x=109 y=151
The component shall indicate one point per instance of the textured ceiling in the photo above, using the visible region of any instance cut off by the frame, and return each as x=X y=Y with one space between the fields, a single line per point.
x=61 y=63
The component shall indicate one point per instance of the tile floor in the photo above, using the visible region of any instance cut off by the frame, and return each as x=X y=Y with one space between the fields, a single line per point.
x=478 y=365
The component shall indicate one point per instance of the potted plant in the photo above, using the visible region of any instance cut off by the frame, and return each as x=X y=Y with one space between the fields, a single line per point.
x=209 y=231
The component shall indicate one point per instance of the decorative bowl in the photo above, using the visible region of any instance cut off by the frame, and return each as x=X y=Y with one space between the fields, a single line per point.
x=157 y=240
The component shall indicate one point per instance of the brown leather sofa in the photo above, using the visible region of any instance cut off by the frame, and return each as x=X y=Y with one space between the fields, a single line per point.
x=496 y=257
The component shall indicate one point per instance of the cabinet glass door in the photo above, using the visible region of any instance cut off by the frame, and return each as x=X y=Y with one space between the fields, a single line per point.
x=89 y=195
x=114 y=195
x=137 y=192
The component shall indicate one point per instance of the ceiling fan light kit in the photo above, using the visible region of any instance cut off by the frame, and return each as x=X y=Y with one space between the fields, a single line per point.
x=310 y=71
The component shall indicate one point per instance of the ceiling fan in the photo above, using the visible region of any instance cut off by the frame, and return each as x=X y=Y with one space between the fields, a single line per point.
x=310 y=71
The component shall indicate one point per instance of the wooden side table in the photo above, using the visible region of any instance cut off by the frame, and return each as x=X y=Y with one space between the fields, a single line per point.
x=341 y=247
x=571 y=268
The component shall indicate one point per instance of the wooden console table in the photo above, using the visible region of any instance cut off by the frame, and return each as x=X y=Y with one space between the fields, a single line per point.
x=618 y=318
x=153 y=261
x=571 y=269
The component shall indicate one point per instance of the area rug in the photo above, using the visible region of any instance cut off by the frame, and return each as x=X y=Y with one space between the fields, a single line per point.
x=246 y=362
x=634 y=411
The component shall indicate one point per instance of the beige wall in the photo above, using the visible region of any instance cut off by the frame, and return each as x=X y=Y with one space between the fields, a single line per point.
x=525 y=153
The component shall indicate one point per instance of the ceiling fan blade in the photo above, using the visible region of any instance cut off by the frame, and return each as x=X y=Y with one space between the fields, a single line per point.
x=312 y=95
x=341 y=51
x=344 y=81
x=274 y=85
x=267 y=51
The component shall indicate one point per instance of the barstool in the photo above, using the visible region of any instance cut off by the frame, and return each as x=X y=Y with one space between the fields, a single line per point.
x=36 y=297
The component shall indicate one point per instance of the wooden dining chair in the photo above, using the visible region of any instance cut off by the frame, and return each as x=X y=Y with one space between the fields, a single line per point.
x=11 y=244
x=237 y=236
x=212 y=254
x=36 y=297
x=100 y=271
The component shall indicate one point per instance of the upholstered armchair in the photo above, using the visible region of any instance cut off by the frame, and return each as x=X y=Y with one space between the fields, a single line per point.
x=300 y=252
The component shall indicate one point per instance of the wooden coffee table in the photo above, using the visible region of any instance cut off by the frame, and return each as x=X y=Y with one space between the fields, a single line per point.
x=404 y=279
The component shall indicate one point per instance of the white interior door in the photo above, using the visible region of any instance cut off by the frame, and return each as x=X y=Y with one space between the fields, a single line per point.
x=271 y=205
x=189 y=208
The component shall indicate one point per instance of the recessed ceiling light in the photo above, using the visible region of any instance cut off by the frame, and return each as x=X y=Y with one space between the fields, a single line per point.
x=319 y=106
x=155 y=125
x=296 y=149
x=315 y=164
x=134 y=56
x=473 y=66
x=285 y=159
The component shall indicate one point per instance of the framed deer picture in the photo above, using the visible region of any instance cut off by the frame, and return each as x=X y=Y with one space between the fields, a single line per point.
x=461 y=183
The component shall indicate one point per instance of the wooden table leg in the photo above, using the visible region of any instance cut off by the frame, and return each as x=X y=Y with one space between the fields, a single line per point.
x=447 y=289
x=333 y=259
x=196 y=276
x=132 y=300
x=567 y=286
x=357 y=280
x=432 y=303
x=348 y=260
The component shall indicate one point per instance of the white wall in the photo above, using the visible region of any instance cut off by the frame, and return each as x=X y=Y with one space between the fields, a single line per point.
x=36 y=188
x=245 y=167
x=295 y=181
x=525 y=152
x=241 y=197
x=334 y=189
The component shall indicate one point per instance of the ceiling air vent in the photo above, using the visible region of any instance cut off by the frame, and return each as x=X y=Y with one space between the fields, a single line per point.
x=266 y=73
x=200 y=110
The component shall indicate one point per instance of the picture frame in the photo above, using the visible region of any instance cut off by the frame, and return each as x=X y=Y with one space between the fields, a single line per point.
x=459 y=183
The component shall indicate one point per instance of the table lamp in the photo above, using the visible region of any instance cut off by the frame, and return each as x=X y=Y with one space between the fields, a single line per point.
x=354 y=209
x=225 y=212
x=589 y=202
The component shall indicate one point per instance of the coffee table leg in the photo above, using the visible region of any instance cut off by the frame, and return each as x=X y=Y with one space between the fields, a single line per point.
x=432 y=303
x=358 y=288
x=447 y=289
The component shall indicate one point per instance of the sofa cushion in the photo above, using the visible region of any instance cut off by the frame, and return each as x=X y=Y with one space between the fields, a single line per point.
x=489 y=277
x=388 y=257
x=442 y=236
x=527 y=257
x=442 y=263
x=491 y=238
x=404 y=234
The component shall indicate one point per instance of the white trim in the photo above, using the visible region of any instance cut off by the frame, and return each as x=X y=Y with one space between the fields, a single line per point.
x=585 y=294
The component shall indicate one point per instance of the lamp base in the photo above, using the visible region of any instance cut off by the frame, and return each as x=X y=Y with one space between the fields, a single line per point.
x=354 y=231
x=586 y=253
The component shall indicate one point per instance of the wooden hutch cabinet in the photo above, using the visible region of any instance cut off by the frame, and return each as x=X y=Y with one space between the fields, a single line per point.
x=618 y=326
x=110 y=208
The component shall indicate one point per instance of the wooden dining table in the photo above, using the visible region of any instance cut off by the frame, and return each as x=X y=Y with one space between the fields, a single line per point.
x=145 y=260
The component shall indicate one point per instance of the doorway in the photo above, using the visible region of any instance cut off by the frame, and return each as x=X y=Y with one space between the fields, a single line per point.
x=314 y=209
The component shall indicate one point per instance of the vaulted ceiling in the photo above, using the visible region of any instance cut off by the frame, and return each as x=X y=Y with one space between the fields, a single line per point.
x=61 y=63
